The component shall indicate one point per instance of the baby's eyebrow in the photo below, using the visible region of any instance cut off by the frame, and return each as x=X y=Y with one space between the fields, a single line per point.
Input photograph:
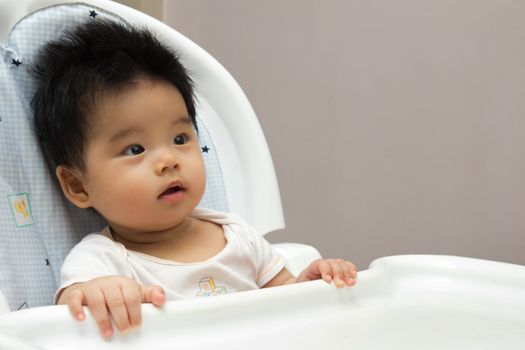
x=182 y=120
x=123 y=133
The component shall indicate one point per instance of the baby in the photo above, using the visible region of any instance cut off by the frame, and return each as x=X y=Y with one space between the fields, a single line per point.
x=115 y=112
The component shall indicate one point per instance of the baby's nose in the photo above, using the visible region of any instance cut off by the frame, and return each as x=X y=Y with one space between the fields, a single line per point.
x=167 y=160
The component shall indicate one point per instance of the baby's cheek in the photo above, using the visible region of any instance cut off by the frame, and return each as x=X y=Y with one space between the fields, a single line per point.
x=198 y=177
x=126 y=202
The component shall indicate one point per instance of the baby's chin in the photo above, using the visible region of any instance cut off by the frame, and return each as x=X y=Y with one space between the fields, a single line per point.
x=157 y=226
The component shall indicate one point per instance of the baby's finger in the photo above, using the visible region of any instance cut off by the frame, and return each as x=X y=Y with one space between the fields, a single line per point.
x=349 y=272
x=353 y=268
x=153 y=294
x=97 y=306
x=74 y=303
x=337 y=271
x=325 y=270
x=132 y=299
x=117 y=308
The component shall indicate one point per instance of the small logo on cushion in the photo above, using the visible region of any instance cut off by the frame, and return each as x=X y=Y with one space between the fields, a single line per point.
x=21 y=209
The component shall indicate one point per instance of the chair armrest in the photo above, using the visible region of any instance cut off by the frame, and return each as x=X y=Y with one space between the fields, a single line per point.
x=297 y=256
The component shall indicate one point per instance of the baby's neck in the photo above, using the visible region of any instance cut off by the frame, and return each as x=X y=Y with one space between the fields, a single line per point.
x=133 y=238
x=193 y=240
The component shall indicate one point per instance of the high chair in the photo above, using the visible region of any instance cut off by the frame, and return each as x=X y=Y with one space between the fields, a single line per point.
x=39 y=227
x=440 y=299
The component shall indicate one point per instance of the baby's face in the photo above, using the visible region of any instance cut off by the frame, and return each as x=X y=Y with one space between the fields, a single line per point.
x=143 y=165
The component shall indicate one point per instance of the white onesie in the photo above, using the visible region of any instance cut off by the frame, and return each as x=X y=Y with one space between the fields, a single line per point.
x=247 y=262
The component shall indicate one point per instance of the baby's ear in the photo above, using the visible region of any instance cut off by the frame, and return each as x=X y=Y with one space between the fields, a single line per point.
x=72 y=185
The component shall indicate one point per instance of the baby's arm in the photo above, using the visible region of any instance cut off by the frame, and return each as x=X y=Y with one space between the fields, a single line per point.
x=341 y=272
x=115 y=296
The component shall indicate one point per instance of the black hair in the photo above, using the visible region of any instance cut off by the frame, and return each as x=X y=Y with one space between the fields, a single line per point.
x=94 y=59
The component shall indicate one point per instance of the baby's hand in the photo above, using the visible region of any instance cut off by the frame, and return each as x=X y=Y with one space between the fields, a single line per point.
x=341 y=272
x=117 y=296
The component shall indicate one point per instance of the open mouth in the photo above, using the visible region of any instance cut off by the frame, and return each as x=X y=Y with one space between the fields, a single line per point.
x=173 y=189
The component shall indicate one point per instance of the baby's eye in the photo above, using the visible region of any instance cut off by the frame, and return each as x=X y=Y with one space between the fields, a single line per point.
x=133 y=150
x=180 y=139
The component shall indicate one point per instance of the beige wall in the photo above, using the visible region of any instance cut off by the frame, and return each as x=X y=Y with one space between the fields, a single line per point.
x=396 y=126
x=154 y=8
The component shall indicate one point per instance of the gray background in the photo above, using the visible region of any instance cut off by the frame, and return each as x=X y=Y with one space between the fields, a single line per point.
x=395 y=126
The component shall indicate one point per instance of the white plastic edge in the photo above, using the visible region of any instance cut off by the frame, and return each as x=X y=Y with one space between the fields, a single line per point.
x=378 y=281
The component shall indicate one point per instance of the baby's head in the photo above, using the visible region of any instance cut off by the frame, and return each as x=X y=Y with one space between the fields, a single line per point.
x=115 y=112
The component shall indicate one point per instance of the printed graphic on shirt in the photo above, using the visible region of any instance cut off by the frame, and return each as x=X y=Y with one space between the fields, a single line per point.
x=208 y=288
x=21 y=209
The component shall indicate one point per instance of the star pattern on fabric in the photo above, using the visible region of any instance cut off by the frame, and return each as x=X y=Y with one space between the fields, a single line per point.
x=205 y=149
x=47 y=262
x=16 y=62
x=93 y=14
x=23 y=306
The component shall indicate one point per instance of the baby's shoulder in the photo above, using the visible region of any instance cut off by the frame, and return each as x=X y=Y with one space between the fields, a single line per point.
x=97 y=242
x=218 y=217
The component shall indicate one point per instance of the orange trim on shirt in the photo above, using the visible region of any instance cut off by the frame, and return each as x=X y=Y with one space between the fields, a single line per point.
x=266 y=270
